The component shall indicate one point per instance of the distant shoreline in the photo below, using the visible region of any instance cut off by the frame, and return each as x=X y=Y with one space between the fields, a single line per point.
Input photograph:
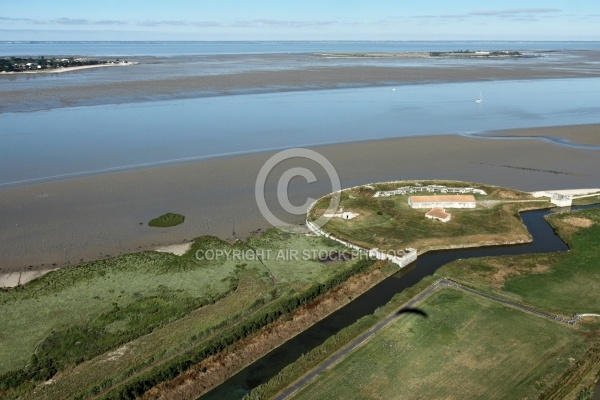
x=429 y=54
x=308 y=72
x=69 y=69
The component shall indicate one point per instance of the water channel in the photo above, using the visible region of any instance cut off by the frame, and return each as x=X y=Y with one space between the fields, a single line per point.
x=78 y=141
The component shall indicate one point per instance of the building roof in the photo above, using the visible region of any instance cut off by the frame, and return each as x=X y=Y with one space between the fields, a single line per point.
x=437 y=212
x=463 y=198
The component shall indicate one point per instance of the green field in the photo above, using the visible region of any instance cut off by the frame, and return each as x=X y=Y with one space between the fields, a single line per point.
x=564 y=283
x=101 y=321
x=180 y=334
x=390 y=223
x=467 y=347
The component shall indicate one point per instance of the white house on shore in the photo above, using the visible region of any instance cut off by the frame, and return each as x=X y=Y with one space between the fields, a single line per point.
x=443 y=201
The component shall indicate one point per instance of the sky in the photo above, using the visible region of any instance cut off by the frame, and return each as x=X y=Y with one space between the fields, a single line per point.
x=299 y=20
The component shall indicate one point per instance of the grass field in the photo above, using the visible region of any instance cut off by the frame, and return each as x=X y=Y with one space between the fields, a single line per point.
x=564 y=283
x=390 y=223
x=192 y=329
x=468 y=347
x=102 y=320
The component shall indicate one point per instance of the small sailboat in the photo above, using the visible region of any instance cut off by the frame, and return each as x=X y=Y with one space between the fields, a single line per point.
x=480 y=99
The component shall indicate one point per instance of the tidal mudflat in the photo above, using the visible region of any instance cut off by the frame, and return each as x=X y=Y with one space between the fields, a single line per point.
x=74 y=216
x=92 y=217
x=184 y=77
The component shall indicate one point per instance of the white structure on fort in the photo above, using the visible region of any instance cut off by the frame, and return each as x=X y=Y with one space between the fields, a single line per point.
x=429 y=189
x=438 y=213
x=565 y=197
x=401 y=258
x=342 y=215
x=561 y=200
x=443 y=201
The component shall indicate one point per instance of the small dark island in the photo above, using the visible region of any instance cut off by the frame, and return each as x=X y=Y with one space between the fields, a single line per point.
x=167 y=220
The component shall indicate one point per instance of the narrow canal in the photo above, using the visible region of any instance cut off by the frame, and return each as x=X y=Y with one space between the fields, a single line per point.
x=545 y=240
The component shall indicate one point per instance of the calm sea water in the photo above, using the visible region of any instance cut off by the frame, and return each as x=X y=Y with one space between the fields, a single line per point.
x=124 y=48
x=82 y=140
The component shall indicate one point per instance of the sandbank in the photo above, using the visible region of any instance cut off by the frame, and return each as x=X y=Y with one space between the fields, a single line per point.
x=579 y=134
x=53 y=224
x=16 y=278
x=176 y=249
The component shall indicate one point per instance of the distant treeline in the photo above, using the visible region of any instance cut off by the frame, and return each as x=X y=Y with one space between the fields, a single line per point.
x=21 y=64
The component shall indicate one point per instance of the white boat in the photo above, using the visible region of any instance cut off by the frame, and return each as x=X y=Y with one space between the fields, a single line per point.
x=480 y=99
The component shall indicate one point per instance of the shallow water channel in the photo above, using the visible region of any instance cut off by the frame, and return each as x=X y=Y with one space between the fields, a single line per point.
x=544 y=241
x=67 y=142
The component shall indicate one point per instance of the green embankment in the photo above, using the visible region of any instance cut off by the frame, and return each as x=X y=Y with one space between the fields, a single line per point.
x=100 y=322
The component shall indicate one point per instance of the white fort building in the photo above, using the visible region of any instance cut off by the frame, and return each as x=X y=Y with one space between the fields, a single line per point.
x=428 y=189
x=443 y=201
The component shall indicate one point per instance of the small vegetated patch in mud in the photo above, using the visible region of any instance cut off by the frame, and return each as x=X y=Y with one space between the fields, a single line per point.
x=167 y=220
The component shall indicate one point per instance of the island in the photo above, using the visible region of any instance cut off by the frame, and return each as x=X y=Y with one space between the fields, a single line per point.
x=435 y=54
x=54 y=64
x=476 y=54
